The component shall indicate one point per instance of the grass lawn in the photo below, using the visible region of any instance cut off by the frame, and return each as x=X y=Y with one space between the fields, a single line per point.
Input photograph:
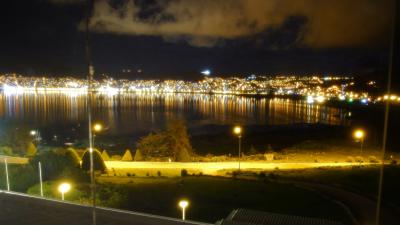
x=213 y=198
x=359 y=179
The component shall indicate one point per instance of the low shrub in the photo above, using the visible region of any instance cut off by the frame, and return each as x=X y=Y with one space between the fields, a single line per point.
x=359 y=159
x=350 y=159
x=373 y=159
x=184 y=173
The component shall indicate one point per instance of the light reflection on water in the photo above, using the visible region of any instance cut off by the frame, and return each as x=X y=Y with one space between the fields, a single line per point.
x=127 y=113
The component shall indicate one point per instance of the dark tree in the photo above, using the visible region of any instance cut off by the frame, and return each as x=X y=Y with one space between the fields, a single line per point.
x=54 y=163
x=98 y=162
x=17 y=138
x=173 y=143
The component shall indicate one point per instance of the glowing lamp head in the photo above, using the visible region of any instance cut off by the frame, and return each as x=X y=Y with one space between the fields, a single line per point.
x=237 y=130
x=64 y=187
x=33 y=132
x=97 y=127
x=359 y=134
x=183 y=204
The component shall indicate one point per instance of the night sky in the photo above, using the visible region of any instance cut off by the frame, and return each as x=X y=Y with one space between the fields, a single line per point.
x=172 y=38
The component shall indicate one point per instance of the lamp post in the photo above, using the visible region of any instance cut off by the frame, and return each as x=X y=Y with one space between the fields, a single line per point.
x=97 y=127
x=183 y=204
x=40 y=179
x=359 y=135
x=64 y=188
x=36 y=136
x=238 y=131
x=7 y=179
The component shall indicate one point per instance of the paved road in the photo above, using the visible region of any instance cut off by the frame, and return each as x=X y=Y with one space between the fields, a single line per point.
x=21 y=209
x=363 y=208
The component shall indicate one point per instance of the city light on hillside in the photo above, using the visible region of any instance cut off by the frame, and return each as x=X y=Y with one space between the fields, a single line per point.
x=320 y=99
x=309 y=87
x=310 y=99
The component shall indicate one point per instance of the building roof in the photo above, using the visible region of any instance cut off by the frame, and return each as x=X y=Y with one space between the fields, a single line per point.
x=251 y=217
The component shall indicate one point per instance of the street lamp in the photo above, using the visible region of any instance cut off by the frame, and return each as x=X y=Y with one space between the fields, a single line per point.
x=64 y=188
x=237 y=130
x=35 y=135
x=183 y=204
x=33 y=132
x=97 y=127
x=7 y=178
x=359 y=135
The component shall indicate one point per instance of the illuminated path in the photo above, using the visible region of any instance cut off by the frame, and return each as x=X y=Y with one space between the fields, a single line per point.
x=21 y=209
x=14 y=160
x=215 y=167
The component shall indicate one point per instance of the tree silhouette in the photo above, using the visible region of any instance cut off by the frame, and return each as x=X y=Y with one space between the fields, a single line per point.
x=174 y=143
x=98 y=162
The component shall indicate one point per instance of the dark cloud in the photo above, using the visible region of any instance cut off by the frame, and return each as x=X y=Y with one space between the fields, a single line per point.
x=339 y=23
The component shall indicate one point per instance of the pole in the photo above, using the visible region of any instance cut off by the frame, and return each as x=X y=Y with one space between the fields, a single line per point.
x=396 y=7
x=41 y=180
x=240 y=146
x=183 y=213
x=90 y=73
x=62 y=196
x=362 y=145
x=7 y=179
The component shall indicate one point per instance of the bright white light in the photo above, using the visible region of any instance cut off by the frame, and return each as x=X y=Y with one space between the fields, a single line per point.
x=64 y=187
x=108 y=90
x=310 y=99
x=183 y=204
x=342 y=97
x=364 y=101
x=72 y=84
x=206 y=72
x=9 y=90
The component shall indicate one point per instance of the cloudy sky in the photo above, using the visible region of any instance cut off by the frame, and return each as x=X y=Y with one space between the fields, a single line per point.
x=168 y=38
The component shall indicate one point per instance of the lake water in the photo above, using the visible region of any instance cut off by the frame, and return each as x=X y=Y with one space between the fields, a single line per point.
x=138 y=113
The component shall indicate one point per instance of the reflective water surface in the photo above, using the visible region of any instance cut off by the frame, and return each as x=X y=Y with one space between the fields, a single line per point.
x=129 y=113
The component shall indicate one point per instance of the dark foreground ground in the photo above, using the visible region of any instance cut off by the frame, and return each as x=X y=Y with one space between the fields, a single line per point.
x=17 y=209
